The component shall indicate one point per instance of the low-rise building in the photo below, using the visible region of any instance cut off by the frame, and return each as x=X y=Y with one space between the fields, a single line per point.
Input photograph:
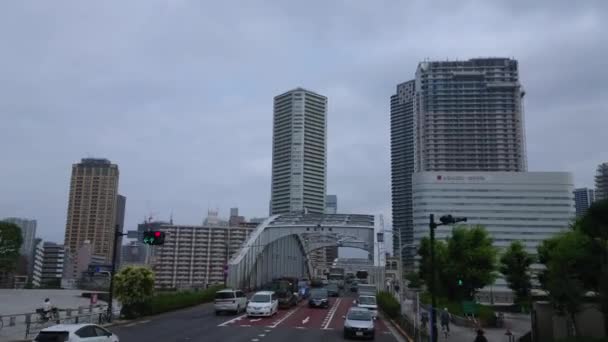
x=195 y=256
x=512 y=206
x=48 y=264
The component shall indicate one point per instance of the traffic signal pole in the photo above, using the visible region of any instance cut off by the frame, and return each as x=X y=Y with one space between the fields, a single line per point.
x=432 y=226
x=117 y=235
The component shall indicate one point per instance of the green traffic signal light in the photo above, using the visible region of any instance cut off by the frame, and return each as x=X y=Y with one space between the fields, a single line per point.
x=460 y=282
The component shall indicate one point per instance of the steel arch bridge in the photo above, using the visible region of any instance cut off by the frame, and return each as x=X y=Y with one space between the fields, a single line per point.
x=280 y=245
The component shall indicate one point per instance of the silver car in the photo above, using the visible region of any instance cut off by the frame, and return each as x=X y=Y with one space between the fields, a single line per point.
x=359 y=323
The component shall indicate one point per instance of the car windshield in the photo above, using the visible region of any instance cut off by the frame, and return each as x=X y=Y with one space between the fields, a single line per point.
x=367 y=300
x=359 y=315
x=52 y=336
x=332 y=287
x=224 y=295
x=317 y=294
x=260 y=298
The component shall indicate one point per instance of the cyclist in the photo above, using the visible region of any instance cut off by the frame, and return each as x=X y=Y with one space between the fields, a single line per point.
x=445 y=320
x=47 y=307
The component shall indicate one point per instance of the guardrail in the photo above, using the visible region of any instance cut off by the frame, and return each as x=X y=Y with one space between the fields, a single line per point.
x=25 y=325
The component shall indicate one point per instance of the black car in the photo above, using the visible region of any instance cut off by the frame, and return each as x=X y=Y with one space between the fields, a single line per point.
x=332 y=290
x=319 y=298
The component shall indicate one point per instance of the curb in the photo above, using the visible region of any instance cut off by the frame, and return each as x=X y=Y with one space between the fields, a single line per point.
x=401 y=331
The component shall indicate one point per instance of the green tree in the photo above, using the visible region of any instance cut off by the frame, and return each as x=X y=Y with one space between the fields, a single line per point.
x=133 y=287
x=10 y=242
x=515 y=266
x=466 y=263
x=471 y=262
x=594 y=224
x=424 y=268
x=415 y=282
x=564 y=256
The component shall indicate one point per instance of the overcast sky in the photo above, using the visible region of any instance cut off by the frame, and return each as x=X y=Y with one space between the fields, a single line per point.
x=179 y=93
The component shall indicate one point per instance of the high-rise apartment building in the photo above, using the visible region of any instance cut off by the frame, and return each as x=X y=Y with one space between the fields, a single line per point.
x=92 y=207
x=299 y=152
x=469 y=116
x=402 y=167
x=583 y=198
x=195 y=256
x=28 y=233
x=601 y=182
x=454 y=116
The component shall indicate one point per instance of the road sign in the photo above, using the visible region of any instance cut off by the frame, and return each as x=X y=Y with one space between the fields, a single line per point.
x=470 y=308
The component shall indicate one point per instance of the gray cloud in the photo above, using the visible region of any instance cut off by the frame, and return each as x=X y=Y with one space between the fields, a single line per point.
x=179 y=93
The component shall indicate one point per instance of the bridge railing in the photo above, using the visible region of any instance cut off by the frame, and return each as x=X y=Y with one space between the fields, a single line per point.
x=25 y=325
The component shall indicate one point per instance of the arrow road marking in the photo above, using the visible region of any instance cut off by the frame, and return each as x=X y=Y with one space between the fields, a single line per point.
x=306 y=320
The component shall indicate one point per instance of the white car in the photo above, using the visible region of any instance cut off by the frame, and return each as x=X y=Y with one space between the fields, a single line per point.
x=264 y=303
x=369 y=303
x=75 y=333
x=230 y=300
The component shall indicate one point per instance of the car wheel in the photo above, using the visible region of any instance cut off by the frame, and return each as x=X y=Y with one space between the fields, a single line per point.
x=238 y=310
x=372 y=337
x=345 y=334
x=217 y=313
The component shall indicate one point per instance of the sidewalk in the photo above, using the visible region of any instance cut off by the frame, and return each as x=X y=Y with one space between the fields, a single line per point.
x=518 y=324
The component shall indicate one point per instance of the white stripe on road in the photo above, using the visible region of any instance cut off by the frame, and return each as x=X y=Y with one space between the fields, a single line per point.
x=255 y=320
x=232 y=320
x=332 y=312
x=306 y=320
x=276 y=323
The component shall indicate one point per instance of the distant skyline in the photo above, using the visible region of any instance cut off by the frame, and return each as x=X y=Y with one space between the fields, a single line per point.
x=179 y=94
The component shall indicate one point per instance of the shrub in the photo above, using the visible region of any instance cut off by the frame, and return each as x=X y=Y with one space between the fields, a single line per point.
x=388 y=304
x=164 y=302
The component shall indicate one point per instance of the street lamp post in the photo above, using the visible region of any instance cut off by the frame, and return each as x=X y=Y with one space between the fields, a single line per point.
x=445 y=220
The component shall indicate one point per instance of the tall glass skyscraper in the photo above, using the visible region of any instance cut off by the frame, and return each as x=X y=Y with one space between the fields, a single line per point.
x=299 y=152
x=454 y=116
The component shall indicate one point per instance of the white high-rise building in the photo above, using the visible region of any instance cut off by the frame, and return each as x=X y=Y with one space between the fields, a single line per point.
x=512 y=206
x=299 y=152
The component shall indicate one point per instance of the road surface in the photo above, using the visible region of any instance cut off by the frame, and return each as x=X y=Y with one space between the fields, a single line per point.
x=201 y=324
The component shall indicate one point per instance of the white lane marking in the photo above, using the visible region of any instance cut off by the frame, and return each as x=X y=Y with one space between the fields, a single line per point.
x=143 y=322
x=266 y=330
x=255 y=320
x=331 y=313
x=262 y=335
x=254 y=340
x=306 y=320
x=130 y=324
x=232 y=320
x=246 y=325
x=276 y=323
x=300 y=327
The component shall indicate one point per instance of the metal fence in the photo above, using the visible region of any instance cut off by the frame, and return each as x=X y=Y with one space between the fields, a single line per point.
x=27 y=325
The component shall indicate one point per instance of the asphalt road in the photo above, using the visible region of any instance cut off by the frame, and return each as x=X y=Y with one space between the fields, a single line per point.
x=201 y=324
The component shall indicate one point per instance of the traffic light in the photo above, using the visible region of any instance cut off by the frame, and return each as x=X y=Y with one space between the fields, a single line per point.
x=154 y=237
x=460 y=282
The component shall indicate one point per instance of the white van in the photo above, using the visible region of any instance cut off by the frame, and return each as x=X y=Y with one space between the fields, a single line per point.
x=264 y=303
x=230 y=300
x=369 y=303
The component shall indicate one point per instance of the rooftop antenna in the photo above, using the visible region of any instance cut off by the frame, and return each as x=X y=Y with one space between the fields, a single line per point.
x=171 y=218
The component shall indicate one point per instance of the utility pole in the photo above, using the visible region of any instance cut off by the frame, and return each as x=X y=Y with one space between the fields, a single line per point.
x=117 y=235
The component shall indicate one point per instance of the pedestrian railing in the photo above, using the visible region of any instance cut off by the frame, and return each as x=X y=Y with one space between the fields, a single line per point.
x=26 y=325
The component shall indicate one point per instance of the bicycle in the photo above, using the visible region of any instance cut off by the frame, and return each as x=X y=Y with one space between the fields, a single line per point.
x=44 y=316
x=445 y=331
